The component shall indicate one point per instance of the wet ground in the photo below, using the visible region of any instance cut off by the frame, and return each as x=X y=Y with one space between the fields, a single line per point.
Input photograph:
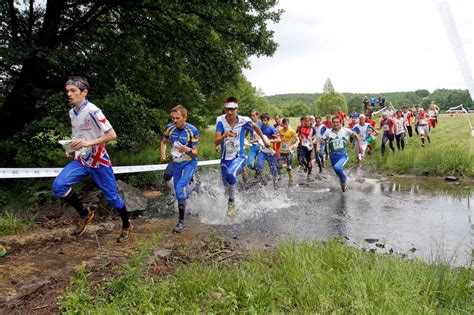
x=416 y=217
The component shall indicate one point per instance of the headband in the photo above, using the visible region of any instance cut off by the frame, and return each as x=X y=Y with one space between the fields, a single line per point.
x=81 y=86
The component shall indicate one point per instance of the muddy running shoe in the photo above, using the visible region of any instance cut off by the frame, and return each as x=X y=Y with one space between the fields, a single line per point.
x=125 y=235
x=290 y=182
x=82 y=223
x=245 y=176
x=343 y=186
x=179 y=228
x=231 y=209
x=170 y=199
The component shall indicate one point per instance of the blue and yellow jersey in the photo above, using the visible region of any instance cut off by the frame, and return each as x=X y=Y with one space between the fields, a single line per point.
x=188 y=136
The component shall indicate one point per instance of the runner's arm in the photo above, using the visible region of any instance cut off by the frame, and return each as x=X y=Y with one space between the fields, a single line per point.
x=106 y=137
x=163 y=149
x=259 y=132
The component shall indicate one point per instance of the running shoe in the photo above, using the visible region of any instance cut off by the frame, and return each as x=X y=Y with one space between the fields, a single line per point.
x=82 y=223
x=231 y=209
x=179 y=228
x=343 y=186
x=125 y=234
x=170 y=199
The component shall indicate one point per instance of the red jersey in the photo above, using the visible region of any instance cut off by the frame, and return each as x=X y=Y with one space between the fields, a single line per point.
x=387 y=125
x=327 y=123
x=341 y=115
x=276 y=146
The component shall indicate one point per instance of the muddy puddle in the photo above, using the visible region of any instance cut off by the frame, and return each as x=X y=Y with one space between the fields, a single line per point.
x=414 y=217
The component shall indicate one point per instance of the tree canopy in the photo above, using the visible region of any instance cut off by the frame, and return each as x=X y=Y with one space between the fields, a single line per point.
x=167 y=52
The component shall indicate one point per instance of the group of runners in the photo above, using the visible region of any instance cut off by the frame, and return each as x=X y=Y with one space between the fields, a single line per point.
x=314 y=141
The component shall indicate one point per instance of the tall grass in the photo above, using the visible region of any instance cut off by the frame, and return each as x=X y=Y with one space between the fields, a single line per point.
x=11 y=223
x=303 y=278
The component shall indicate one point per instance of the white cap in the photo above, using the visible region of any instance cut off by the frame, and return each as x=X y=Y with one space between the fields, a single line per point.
x=231 y=105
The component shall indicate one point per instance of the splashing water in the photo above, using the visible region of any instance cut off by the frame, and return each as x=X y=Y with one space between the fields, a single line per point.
x=210 y=206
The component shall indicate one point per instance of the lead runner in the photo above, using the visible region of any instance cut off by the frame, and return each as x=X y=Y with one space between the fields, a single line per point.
x=90 y=132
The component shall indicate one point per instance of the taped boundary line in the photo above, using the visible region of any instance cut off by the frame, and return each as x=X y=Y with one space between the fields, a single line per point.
x=54 y=171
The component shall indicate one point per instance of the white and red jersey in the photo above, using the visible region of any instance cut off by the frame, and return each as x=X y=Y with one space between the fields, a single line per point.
x=89 y=123
x=401 y=123
x=432 y=113
x=422 y=118
x=409 y=118
x=387 y=125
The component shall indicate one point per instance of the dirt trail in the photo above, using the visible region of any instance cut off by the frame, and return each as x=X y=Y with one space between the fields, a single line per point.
x=41 y=262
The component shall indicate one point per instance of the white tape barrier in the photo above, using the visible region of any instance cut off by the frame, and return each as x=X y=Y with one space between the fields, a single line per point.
x=53 y=172
x=380 y=110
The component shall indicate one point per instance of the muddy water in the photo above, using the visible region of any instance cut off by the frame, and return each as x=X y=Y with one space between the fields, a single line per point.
x=428 y=219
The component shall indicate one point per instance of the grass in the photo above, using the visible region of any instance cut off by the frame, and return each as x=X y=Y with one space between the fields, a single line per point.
x=302 y=278
x=449 y=152
x=11 y=223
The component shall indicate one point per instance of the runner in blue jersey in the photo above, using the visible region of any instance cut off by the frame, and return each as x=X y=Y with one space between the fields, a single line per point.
x=90 y=132
x=184 y=139
x=337 y=141
x=230 y=135
x=254 y=147
x=268 y=155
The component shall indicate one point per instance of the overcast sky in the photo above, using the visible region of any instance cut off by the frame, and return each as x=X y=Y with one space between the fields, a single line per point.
x=364 y=46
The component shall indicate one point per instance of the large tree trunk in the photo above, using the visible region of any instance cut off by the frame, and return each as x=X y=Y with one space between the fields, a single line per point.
x=19 y=106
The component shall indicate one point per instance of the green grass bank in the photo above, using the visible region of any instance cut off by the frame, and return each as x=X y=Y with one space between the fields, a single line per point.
x=294 y=278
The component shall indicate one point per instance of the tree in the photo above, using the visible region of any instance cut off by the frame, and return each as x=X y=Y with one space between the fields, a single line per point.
x=295 y=109
x=168 y=52
x=328 y=88
x=330 y=101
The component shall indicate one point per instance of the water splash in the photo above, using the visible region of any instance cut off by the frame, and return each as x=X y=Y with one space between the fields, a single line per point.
x=210 y=205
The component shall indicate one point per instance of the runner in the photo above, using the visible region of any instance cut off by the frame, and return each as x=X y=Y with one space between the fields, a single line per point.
x=268 y=155
x=337 y=139
x=401 y=130
x=341 y=115
x=422 y=119
x=364 y=130
x=90 y=132
x=306 y=135
x=433 y=113
x=289 y=140
x=409 y=120
x=319 y=156
x=184 y=139
x=298 y=151
x=389 y=130
x=328 y=124
x=254 y=147
x=230 y=135
x=390 y=111
x=277 y=125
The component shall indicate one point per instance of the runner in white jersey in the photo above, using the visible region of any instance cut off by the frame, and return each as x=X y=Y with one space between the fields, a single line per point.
x=230 y=135
x=363 y=130
x=90 y=132
x=337 y=138
x=401 y=132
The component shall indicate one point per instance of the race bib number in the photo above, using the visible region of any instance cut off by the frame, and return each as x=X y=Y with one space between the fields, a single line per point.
x=338 y=144
x=285 y=146
x=232 y=146
x=386 y=127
